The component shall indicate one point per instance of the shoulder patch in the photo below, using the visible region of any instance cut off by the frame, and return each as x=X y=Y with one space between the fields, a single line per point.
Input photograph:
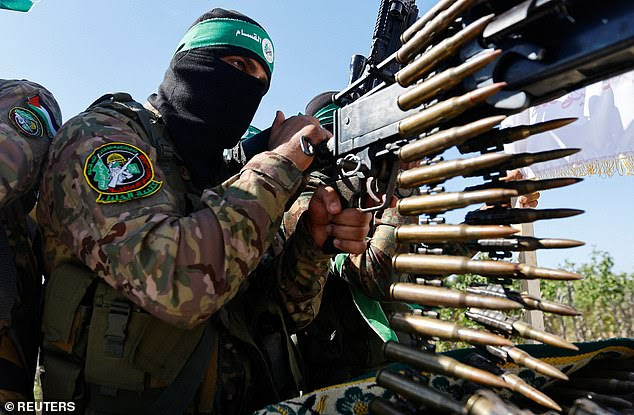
x=26 y=121
x=120 y=172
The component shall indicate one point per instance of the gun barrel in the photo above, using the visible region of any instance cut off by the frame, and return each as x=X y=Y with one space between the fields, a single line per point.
x=446 y=110
x=445 y=139
x=419 y=393
x=430 y=327
x=445 y=297
x=512 y=216
x=443 y=365
x=445 y=170
x=442 y=202
x=428 y=60
x=450 y=233
x=510 y=135
x=522 y=358
x=528 y=186
x=444 y=81
x=446 y=265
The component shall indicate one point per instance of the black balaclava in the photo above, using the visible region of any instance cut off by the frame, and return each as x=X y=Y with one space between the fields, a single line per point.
x=207 y=104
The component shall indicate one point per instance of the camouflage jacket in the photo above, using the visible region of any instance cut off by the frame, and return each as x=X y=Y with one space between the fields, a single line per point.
x=106 y=203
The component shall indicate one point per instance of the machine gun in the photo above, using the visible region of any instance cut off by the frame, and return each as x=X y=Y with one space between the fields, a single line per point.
x=494 y=53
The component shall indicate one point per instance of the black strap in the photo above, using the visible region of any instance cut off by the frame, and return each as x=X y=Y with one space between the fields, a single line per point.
x=177 y=396
x=8 y=277
x=118 y=317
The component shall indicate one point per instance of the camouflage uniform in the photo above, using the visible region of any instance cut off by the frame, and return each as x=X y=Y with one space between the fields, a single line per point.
x=29 y=116
x=182 y=255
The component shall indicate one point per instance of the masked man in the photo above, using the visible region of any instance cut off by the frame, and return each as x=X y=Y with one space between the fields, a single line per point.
x=169 y=284
x=29 y=118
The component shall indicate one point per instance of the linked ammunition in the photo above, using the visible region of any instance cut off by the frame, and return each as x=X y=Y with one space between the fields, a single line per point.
x=444 y=81
x=419 y=393
x=446 y=110
x=520 y=160
x=522 y=243
x=496 y=139
x=450 y=233
x=568 y=394
x=529 y=302
x=429 y=327
x=380 y=406
x=443 y=365
x=522 y=358
x=502 y=216
x=428 y=60
x=514 y=382
x=425 y=35
x=613 y=386
x=524 y=187
x=442 y=202
x=442 y=140
x=444 y=170
x=445 y=297
x=447 y=265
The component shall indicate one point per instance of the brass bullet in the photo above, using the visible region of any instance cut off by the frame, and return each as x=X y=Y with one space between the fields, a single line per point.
x=504 y=216
x=425 y=18
x=442 y=140
x=529 y=332
x=436 y=363
x=524 y=187
x=446 y=265
x=442 y=202
x=444 y=81
x=522 y=358
x=518 y=385
x=439 y=22
x=444 y=297
x=419 y=393
x=428 y=60
x=430 y=327
x=450 y=233
x=446 y=110
x=498 y=138
x=444 y=170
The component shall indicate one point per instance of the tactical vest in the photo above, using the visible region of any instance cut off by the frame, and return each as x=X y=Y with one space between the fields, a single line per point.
x=102 y=349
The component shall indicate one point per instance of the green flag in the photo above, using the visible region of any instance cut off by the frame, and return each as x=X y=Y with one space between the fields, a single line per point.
x=17 y=5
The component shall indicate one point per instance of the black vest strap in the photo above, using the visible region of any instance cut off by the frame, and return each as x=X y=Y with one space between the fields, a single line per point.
x=8 y=277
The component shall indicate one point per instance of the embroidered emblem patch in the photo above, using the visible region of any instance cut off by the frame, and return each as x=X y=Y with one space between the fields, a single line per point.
x=120 y=172
x=26 y=121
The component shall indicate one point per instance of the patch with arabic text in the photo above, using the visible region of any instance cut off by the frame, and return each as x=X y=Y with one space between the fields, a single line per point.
x=120 y=172
x=26 y=121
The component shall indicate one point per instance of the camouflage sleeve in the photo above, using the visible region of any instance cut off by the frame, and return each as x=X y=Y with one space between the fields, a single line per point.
x=372 y=270
x=181 y=268
x=29 y=116
x=302 y=268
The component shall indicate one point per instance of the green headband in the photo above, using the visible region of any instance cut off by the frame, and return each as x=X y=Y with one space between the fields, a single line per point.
x=229 y=32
